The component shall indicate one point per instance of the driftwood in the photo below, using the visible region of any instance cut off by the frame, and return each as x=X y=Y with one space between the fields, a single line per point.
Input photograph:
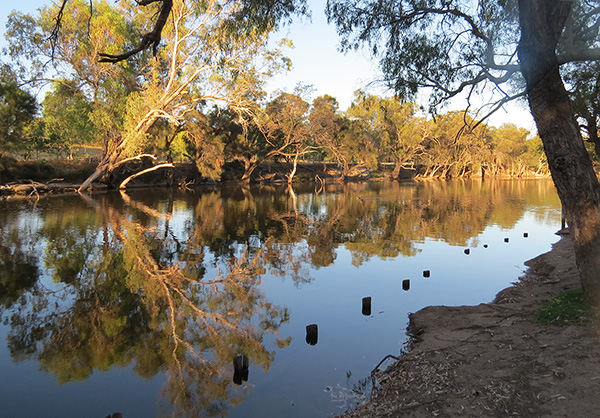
x=26 y=187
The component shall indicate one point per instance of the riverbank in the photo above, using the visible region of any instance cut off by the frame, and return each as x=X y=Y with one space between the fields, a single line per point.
x=496 y=360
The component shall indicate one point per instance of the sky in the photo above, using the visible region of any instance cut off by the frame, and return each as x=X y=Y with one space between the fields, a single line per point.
x=316 y=61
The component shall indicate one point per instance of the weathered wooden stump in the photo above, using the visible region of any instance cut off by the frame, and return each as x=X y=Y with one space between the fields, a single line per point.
x=366 y=306
x=240 y=369
x=312 y=334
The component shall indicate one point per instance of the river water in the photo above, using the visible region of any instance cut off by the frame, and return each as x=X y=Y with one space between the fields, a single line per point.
x=243 y=302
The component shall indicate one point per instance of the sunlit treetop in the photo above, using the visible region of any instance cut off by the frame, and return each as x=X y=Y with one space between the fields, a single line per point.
x=246 y=15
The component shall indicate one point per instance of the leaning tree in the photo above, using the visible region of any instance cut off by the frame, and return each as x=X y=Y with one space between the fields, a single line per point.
x=511 y=48
x=213 y=51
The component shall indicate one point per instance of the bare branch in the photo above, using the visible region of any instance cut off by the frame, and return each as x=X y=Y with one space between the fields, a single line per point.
x=151 y=39
x=57 y=25
x=137 y=157
x=474 y=29
x=592 y=54
x=497 y=106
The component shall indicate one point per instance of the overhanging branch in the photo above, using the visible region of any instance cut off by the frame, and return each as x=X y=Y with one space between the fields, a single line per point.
x=592 y=54
x=148 y=170
x=151 y=39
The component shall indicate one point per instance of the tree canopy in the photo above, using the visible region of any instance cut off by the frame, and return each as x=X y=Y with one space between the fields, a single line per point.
x=17 y=109
x=512 y=48
x=246 y=16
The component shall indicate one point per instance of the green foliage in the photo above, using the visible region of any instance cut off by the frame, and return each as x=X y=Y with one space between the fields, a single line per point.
x=159 y=104
x=17 y=110
x=67 y=115
x=87 y=94
x=584 y=89
x=285 y=125
x=438 y=44
x=567 y=308
x=204 y=146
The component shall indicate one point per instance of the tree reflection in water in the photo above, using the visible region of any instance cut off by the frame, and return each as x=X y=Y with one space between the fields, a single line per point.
x=126 y=297
x=129 y=278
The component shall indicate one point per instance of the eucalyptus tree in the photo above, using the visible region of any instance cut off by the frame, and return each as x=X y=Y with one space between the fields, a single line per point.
x=203 y=145
x=399 y=130
x=249 y=15
x=285 y=128
x=509 y=149
x=326 y=125
x=450 y=150
x=18 y=109
x=405 y=133
x=67 y=115
x=365 y=111
x=74 y=60
x=455 y=47
x=209 y=56
x=215 y=50
x=240 y=136
x=584 y=88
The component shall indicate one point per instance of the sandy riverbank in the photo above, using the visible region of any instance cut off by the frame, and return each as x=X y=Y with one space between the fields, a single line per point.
x=496 y=360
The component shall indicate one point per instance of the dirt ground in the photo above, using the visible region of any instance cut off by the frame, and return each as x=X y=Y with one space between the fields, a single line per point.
x=495 y=360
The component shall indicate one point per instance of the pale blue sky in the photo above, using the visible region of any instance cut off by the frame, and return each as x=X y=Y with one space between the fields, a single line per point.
x=316 y=61
x=315 y=57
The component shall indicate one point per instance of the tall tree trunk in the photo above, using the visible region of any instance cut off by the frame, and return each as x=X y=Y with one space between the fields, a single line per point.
x=542 y=22
x=397 y=168
x=106 y=166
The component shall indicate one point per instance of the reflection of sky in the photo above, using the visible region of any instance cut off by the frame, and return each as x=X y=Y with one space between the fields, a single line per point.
x=349 y=341
x=303 y=379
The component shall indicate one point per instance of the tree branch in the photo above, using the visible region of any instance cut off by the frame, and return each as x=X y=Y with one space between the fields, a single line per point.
x=151 y=39
x=592 y=54
x=57 y=25
x=148 y=170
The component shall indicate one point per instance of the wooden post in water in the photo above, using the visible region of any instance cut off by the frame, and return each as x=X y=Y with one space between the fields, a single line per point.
x=240 y=369
x=366 y=306
x=312 y=334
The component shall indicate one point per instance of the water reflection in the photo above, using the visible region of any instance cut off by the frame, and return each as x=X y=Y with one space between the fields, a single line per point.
x=169 y=281
x=131 y=293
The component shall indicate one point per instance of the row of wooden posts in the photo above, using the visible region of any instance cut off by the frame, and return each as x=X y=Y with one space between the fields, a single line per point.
x=240 y=362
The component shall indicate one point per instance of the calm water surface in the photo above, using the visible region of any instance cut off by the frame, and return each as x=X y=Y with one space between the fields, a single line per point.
x=141 y=302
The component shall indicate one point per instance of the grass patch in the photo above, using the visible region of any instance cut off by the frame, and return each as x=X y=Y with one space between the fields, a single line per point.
x=568 y=307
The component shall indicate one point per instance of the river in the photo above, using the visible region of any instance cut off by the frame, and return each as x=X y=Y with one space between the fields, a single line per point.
x=243 y=302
